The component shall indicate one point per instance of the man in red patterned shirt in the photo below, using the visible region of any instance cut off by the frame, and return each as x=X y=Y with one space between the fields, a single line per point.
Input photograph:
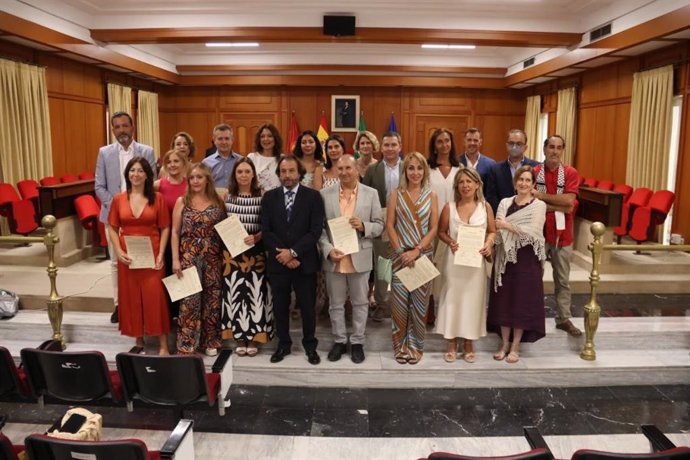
x=557 y=185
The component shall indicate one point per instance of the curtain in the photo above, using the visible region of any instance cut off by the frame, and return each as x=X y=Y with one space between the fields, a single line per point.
x=650 y=128
x=565 y=122
x=532 y=126
x=25 y=142
x=119 y=100
x=147 y=130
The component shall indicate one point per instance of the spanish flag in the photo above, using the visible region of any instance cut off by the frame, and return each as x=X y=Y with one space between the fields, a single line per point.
x=322 y=133
x=293 y=134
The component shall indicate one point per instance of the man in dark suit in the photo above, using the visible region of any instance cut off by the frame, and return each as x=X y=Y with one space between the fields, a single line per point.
x=499 y=181
x=472 y=157
x=291 y=224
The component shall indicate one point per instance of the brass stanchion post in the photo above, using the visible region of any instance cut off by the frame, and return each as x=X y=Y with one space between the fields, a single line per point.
x=592 y=309
x=54 y=300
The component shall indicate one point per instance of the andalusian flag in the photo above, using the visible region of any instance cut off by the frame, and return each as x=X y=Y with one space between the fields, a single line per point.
x=322 y=133
x=293 y=134
x=392 y=126
x=362 y=127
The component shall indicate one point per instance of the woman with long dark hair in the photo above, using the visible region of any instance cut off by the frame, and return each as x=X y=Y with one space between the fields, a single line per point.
x=268 y=146
x=308 y=150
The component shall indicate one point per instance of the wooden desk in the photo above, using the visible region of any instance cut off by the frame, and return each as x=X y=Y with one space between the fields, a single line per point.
x=600 y=205
x=58 y=199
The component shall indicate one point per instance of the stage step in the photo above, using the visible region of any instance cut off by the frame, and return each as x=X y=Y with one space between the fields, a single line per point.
x=630 y=351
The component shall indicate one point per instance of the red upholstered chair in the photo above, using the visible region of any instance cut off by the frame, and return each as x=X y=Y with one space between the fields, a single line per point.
x=645 y=219
x=534 y=454
x=87 y=212
x=49 y=180
x=84 y=175
x=23 y=219
x=68 y=178
x=625 y=190
x=12 y=378
x=590 y=182
x=28 y=189
x=677 y=453
x=8 y=195
x=180 y=445
x=9 y=451
x=640 y=197
x=605 y=185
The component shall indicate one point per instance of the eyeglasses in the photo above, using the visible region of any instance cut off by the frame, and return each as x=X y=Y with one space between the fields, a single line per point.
x=515 y=144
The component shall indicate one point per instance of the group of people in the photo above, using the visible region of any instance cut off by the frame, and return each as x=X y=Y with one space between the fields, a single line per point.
x=293 y=207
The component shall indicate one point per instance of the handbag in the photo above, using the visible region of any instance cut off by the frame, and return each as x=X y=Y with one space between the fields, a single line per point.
x=89 y=431
x=384 y=269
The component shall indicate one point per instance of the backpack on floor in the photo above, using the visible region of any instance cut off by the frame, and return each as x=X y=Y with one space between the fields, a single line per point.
x=9 y=304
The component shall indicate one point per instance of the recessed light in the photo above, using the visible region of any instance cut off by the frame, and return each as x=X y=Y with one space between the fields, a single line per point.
x=232 y=45
x=447 y=47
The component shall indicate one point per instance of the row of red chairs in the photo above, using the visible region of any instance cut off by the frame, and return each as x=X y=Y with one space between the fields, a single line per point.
x=52 y=180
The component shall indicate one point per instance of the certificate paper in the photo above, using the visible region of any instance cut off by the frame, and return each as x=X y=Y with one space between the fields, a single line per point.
x=139 y=249
x=179 y=288
x=470 y=241
x=232 y=233
x=422 y=272
x=384 y=234
x=344 y=236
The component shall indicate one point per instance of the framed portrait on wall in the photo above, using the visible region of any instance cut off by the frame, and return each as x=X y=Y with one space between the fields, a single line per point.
x=345 y=113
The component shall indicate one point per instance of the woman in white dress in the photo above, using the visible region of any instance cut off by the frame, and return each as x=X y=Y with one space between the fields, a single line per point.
x=268 y=146
x=463 y=297
x=335 y=148
x=443 y=164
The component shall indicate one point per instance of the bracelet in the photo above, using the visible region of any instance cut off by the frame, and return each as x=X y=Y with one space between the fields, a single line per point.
x=399 y=251
x=418 y=248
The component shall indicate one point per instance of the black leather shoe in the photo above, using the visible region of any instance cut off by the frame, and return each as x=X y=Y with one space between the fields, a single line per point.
x=114 y=318
x=279 y=354
x=338 y=350
x=313 y=357
x=357 y=353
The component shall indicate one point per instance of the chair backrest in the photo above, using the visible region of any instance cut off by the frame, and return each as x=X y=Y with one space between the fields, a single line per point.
x=86 y=207
x=43 y=447
x=677 y=453
x=165 y=380
x=605 y=185
x=661 y=201
x=534 y=454
x=12 y=380
x=625 y=190
x=70 y=376
x=23 y=219
x=590 y=182
x=7 y=449
x=640 y=197
x=84 y=175
x=28 y=188
x=8 y=194
x=68 y=178
x=49 y=180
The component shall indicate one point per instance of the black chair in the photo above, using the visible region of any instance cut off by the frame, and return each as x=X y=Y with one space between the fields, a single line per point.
x=81 y=376
x=8 y=451
x=179 y=445
x=12 y=379
x=177 y=380
x=540 y=451
x=677 y=453
x=657 y=440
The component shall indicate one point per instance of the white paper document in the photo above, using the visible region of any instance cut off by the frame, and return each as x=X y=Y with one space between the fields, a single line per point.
x=232 y=233
x=422 y=272
x=344 y=236
x=384 y=234
x=470 y=241
x=179 y=288
x=140 y=250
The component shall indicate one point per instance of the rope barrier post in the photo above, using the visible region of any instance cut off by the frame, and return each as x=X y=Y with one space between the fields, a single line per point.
x=592 y=309
x=54 y=300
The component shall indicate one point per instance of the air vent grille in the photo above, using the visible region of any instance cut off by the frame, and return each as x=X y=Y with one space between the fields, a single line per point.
x=602 y=31
x=528 y=62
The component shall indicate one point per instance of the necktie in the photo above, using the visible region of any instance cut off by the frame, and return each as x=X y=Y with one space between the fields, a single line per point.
x=289 y=201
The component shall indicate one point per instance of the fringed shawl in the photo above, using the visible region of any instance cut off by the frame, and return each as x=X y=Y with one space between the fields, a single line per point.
x=529 y=221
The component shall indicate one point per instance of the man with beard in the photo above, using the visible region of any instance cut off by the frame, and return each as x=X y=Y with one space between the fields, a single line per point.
x=473 y=158
x=499 y=181
x=110 y=167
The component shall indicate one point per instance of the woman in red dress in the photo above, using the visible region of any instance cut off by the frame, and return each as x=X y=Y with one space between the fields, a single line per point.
x=140 y=211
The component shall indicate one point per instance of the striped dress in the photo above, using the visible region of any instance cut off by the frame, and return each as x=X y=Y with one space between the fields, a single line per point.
x=408 y=309
x=247 y=303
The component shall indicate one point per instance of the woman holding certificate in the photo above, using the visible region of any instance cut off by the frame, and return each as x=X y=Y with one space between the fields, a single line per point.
x=468 y=230
x=139 y=216
x=516 y=302
x=195 y=243
x=247 y=304
x=411 y=224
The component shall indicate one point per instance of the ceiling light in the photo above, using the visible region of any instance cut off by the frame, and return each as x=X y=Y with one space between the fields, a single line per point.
x=448 y=47
x=232 y=45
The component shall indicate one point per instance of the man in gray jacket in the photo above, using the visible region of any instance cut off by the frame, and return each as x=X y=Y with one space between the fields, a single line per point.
x=110 y=168
x=348 y=273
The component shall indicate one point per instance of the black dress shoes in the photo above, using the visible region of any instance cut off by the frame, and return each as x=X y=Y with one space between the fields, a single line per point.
x=338 y=350
x=279 y=354
x=313 y=357
x=357 y=353
x=115 y=317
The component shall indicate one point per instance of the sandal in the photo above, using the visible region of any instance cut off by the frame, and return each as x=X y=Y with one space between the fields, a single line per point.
x=500 y=355
x=512 y=357
x=252 y=351
x=241 y=351
x=450 y=356
x=401 y=359
x=469 y=357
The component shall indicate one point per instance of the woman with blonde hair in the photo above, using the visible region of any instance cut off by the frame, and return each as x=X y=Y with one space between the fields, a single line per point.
x=411 y=224
x=196 y=243
x=462 y=305
x=366 y=144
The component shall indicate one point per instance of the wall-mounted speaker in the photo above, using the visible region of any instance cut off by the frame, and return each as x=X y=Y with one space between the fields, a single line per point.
x=338 y=26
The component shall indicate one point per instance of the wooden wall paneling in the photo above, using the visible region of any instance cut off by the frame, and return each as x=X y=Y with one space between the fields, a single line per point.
x=620 y=147
x=494 y=128
x=245 y=126
x=94 y=135
x=426 y=124
x=243 y=99
x=587 y=141
x=74 y=154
